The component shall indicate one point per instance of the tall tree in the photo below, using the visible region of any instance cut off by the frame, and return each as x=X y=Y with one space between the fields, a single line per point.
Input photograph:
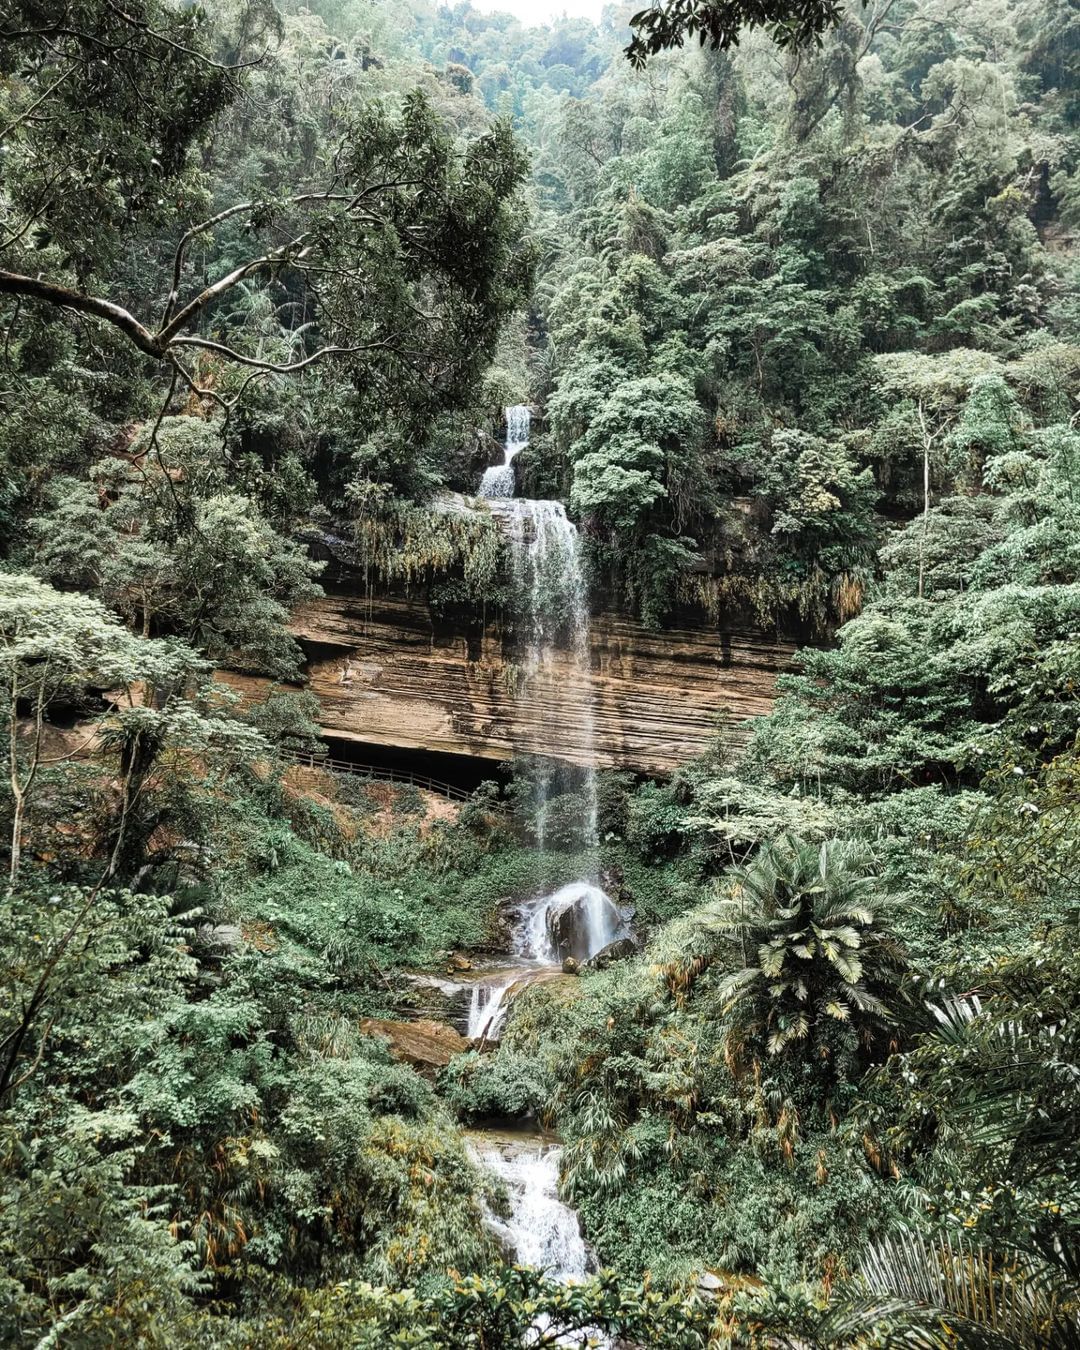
x=401 y=247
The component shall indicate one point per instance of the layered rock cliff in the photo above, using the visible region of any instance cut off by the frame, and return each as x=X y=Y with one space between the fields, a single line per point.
x=387 y=671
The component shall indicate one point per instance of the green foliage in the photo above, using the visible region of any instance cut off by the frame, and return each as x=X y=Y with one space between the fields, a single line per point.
x=811 y=920
x=655 y=820
x=829 y=260
x=156 y=93
x=820 y=501
x=667 y=25
x=498 y=1312
x=399 y=542
x=509 y=1084
x=172 y=550
x=991 y=1077
x=786 y=309
x=190 y=1085
x=965 y=1295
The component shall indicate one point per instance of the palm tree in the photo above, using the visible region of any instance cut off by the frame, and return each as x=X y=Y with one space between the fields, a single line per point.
x=809 y=924
x=997 y=1074
x=968 y=1294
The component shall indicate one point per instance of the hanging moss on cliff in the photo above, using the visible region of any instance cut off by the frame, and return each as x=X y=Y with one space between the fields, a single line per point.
x=398 y=541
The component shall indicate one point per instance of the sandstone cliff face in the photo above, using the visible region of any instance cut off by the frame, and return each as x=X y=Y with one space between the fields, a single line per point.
x=388 y=672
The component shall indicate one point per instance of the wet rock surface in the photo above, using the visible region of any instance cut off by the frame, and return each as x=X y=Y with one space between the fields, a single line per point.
x=425 y=1044
x=618 y=950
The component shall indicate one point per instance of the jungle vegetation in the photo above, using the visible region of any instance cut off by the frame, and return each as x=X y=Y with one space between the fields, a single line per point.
x=800 y=314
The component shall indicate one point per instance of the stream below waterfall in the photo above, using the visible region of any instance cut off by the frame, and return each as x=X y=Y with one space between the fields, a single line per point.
x=578 y=921
x=538 y=1229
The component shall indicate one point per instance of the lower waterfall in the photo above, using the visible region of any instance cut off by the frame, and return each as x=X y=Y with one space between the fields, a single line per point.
x=487 y=1009
x=540 y=1231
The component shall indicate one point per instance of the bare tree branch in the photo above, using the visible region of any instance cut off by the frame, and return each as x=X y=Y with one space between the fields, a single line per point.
x=13 y=283
x=271 y=367
x=303 y=199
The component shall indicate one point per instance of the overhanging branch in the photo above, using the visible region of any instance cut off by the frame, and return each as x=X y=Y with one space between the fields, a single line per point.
x=34 y=288
x=272 y=367
x=172 y=334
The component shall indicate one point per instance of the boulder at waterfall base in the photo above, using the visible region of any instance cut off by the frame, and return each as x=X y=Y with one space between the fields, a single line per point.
x=580 y=918
x=618 y=950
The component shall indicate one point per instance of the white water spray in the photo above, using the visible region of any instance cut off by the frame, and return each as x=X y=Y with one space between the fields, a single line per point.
x=541 y=1231
x=498 y=481
x=578 y=921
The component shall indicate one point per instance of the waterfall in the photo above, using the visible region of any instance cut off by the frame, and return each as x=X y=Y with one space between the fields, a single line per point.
x=487 y=1008
x=575 y=921
x=553 y=608
x=518 y=423
x=551 y=621
x=498 y=481
x=579 y=920
x=541 y=1231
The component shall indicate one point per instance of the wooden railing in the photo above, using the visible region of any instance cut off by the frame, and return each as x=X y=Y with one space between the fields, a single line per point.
x=378 y=774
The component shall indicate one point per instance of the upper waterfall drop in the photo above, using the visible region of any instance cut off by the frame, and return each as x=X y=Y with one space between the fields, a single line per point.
x=498 y=481
x=518 y=423
x=552 y=612
x=578 y=921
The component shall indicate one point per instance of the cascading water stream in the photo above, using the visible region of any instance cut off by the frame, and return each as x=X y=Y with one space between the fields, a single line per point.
x=578 y=921
x=498 y=481
x=540 y=1231
x=487 y=1009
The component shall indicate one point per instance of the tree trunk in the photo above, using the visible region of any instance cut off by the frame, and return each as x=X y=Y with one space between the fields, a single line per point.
x=926 y=502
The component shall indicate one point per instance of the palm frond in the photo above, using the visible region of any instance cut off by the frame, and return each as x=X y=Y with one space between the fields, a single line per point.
x=974 y=1292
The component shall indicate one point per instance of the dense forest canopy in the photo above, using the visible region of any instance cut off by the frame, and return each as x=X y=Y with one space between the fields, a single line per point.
x=792 y=290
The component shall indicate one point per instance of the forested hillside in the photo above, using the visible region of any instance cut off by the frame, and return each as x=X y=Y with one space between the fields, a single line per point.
x=796 y=311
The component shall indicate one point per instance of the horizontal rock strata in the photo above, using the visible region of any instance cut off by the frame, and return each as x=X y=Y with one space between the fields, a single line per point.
x=387 y=672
